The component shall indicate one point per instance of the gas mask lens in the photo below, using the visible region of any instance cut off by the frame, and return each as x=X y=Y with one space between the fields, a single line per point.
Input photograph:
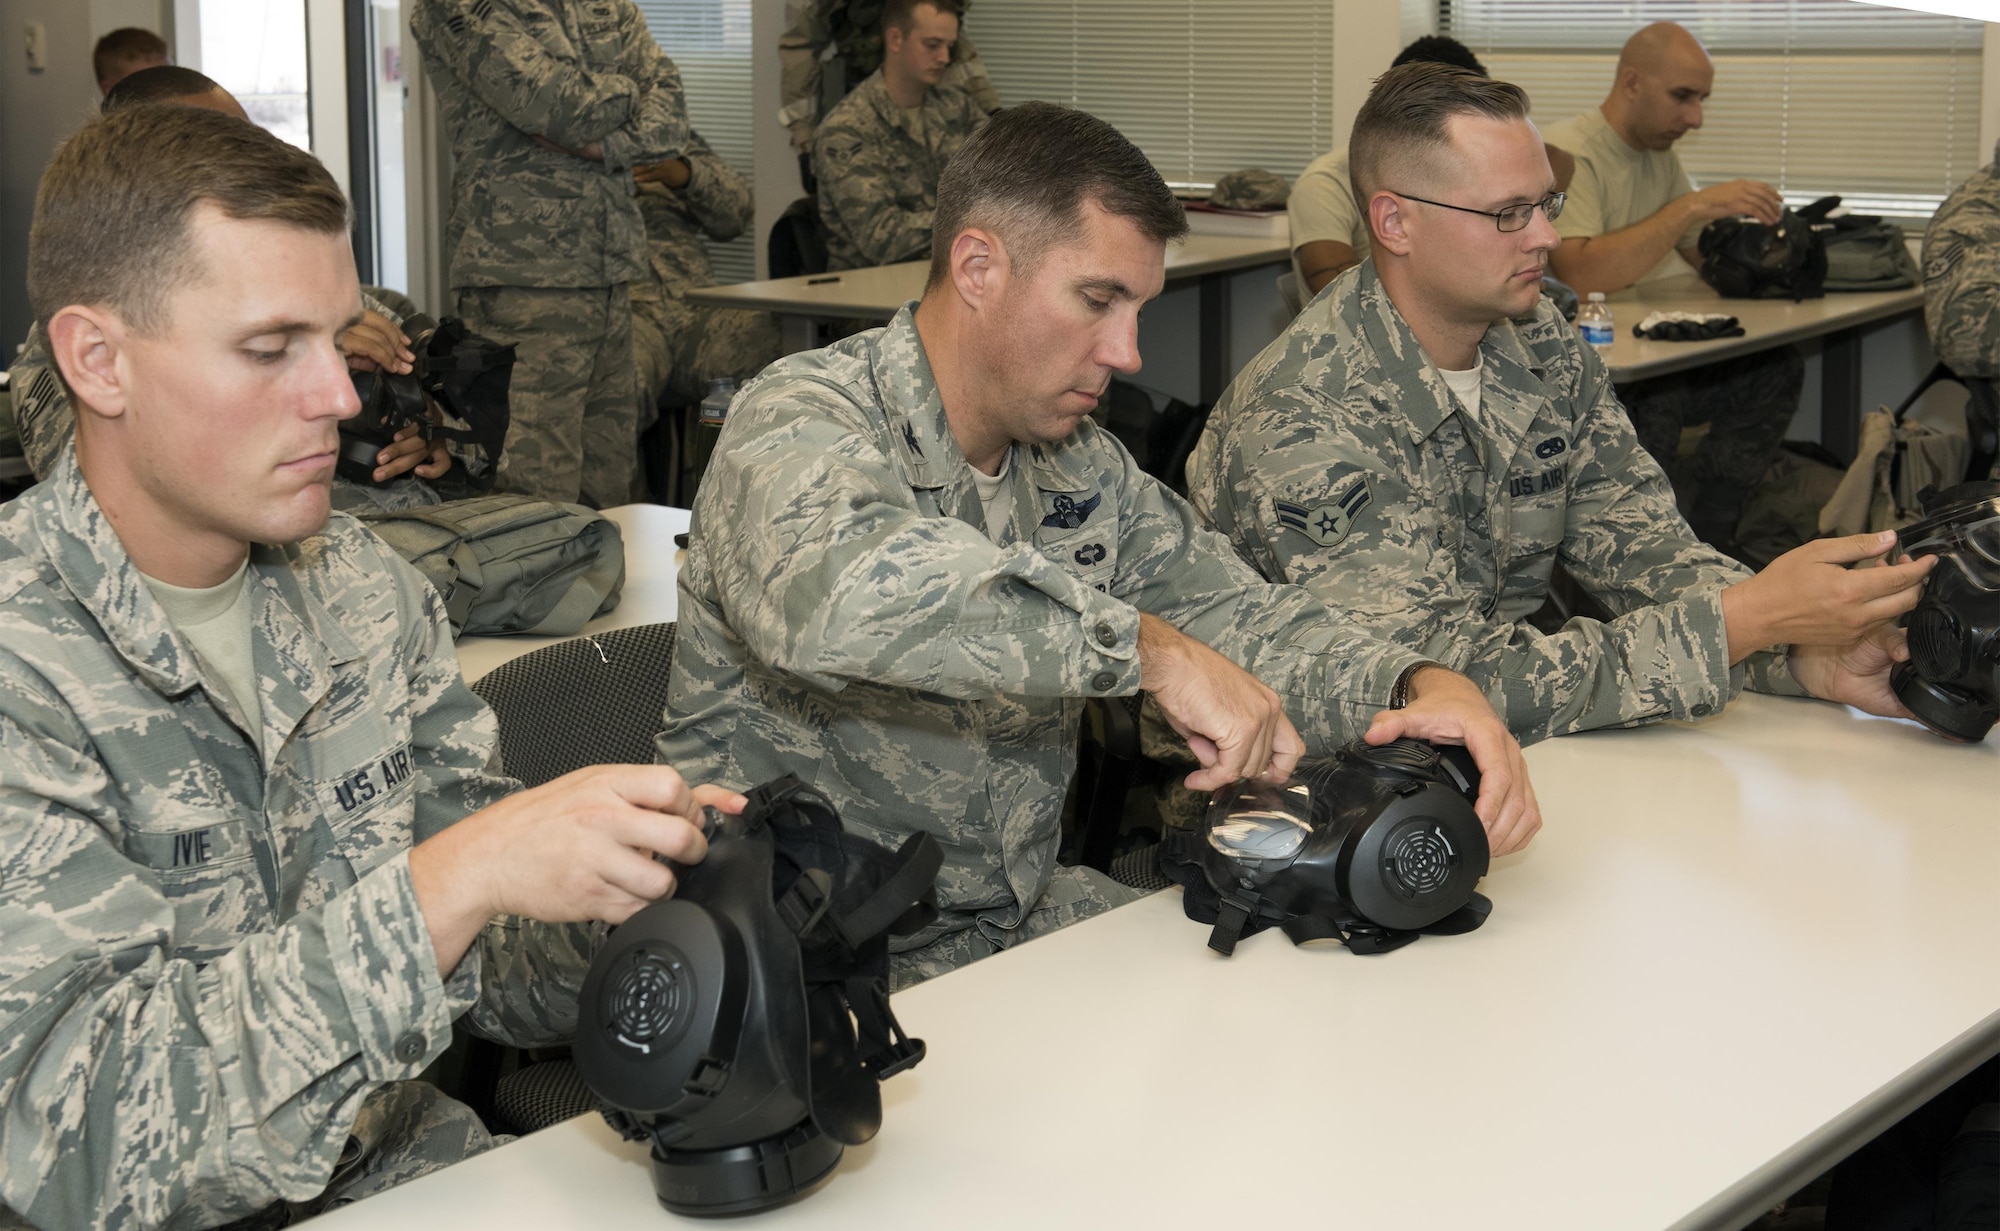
x=1260 y=826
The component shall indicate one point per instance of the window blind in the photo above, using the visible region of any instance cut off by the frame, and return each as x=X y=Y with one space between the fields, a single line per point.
x=1812 y=96
x=1203 y=87
x=709 y=41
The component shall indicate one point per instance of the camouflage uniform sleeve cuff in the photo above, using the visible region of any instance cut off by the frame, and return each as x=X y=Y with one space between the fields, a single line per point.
x=617 y=150
x=1706 y=682
x=1110 y=658
x=387 y=967
x=1770 y=671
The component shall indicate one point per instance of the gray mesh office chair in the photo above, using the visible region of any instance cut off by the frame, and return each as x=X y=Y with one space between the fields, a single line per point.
x=589 y=701
x=592 y=700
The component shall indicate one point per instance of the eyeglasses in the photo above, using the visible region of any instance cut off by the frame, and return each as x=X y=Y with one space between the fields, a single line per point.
x=1513 y=218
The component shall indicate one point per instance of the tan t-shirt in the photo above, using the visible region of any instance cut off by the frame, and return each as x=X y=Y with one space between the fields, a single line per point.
x=1322 y=209
x=216 y=621
x=993 y=497
x=1616 y=186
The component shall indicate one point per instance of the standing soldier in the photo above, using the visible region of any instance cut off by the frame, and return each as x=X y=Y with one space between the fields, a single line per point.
x=551 y=105
x=879 y=154
x=1962 y=275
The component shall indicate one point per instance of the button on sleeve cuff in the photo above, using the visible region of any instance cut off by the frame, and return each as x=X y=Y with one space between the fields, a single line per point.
x=1698 y=660
x=387 y=967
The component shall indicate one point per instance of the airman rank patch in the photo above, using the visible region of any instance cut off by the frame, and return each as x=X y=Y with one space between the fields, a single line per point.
x=1325 y=524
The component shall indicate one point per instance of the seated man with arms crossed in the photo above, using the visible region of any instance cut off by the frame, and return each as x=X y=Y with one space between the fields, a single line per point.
x=879 y=153
x=253 y=828
x=1633 y=216
x=914 y=557
x=1420 y=461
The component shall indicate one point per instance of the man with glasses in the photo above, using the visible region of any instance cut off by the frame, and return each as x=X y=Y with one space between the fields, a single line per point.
x=1429 y=438
x=1634 y=216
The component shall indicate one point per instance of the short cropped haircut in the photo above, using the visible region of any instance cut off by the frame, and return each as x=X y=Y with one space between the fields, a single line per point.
x=1026 y=175
x=162 y=83
x=1404 y=120
x=1439 y=49
x=122 y=48
x=902 y=14
x=112 y=217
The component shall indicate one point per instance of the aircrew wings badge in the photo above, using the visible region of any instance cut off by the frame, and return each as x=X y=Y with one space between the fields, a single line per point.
x=1325 y=524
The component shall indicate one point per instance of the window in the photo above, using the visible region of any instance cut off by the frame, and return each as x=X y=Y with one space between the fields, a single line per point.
x=1203 y=87
x=256 y=49
x=1812 y=96
x=709 y=41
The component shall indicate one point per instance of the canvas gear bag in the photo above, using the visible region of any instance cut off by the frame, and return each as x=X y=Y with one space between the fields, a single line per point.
x=1896 y=459
x=1864 y=253
x=511 y=563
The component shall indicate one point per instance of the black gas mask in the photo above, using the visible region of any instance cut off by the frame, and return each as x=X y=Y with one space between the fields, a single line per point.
x=465 y=374
x=1952 y=680
x=742 y=1027
x=1371 y=846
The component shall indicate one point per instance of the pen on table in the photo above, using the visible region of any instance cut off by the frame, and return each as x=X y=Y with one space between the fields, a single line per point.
x=822 y=281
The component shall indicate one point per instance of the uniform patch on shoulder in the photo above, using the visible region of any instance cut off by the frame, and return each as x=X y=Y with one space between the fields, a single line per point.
x=1325 y=524
x=1943 y=258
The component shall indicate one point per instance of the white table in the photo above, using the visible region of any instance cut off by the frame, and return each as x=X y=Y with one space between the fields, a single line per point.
x=877 y=293
x=649 y=597
x=1738 y=950
x=1767 y=323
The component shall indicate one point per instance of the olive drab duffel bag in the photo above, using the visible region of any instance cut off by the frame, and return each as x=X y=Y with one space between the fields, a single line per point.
x=511 y=563
x=1866 y=253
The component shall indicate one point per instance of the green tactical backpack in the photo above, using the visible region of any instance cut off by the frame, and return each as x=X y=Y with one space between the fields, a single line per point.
x=1864 y=253
x=511 y=564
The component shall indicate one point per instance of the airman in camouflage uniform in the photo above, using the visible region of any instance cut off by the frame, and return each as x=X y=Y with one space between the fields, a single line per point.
x=1342 y=460
x=878 y=164
x=680 y=347
x=1962 y=275
x=551 y=104
x=844 y=617
x=253 y=861
x=214 y=955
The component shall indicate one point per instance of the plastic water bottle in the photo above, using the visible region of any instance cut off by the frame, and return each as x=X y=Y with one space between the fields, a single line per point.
x=714 y=409
x=1594 y=322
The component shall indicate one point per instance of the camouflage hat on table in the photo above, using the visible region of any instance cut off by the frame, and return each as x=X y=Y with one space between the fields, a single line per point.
x=1254 y=188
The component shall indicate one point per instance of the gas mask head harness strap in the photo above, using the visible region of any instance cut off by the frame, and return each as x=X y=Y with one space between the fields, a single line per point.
x=742 y=1027
x=1952 y=679
x=1371 y=846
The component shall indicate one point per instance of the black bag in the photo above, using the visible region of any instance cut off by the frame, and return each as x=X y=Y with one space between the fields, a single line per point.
x=1745 y=259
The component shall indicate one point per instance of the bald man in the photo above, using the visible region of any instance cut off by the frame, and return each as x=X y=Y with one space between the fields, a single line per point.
x=1632 y=215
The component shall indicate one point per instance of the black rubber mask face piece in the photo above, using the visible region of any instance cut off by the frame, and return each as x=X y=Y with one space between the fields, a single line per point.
x=466 y=375
x=742 y=1027
x=1952 y=679
x=1373 y=846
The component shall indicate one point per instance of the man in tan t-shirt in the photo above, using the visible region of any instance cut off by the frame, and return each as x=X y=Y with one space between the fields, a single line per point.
x=1631 y=216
